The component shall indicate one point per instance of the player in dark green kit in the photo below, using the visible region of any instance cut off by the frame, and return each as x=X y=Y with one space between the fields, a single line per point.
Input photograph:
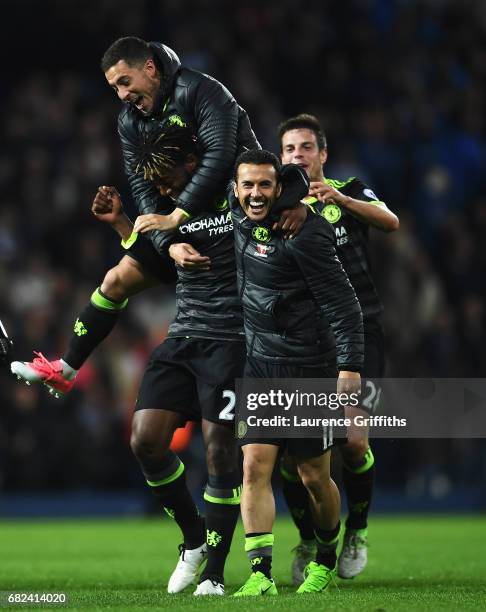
x=351 y=208
x=156 y=90
x=190 y=376
x=302 y=320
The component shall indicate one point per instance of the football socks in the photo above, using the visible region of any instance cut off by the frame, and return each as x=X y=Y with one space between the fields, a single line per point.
x=358 y=484
x=222 y=502
x=259 y=548
x=327 y=542
x=297 y=499
x=168 y=485
x=91 y=327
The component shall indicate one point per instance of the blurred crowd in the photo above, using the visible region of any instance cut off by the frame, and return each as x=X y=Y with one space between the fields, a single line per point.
x=400 y=88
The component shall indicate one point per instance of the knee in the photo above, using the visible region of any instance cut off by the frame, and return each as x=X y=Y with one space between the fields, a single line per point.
x=221 y=457
x=140 y=444
x=113 y=285
x=354 y=450
x=146 y=446
x=255 y=469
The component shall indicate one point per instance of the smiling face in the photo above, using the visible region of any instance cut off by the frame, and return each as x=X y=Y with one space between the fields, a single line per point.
x=300 y=147
x=257 y=188
x=137 y=85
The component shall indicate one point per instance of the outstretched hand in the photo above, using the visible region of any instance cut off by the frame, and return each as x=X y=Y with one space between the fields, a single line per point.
x=147 y=223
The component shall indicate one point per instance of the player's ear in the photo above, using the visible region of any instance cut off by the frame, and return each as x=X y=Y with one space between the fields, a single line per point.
x=279 y=189
x=235 y=190
x=150 y=67
x=323 y=156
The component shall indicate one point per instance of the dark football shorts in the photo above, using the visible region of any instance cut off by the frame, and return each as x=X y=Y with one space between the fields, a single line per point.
x=143 y=251
x=194 y=377
x=297 y=447
x=374 y=364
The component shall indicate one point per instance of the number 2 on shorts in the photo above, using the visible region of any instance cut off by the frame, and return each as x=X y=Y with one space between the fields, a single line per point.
x=227 y=413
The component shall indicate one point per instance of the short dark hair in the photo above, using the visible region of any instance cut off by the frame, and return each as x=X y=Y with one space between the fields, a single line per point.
x=134 y=51
x=258 y=157
x=160 y=151
x=303 y=121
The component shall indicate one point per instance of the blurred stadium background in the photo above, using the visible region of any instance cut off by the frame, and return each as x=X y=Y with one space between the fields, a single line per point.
x=400 y=87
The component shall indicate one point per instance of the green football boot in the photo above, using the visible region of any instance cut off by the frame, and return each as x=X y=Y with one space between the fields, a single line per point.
x=257 y=584
x=317 y=578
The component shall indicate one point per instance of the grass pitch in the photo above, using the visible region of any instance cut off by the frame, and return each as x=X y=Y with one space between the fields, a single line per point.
x=415 y=563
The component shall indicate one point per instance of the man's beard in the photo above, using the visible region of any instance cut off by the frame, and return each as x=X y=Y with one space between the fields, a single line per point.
x=158 y=101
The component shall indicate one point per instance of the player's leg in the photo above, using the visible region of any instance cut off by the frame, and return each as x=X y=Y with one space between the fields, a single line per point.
x=296 y=495
x=108 y=301
x=358 y=475
x=222 y=502
x=216 y=365
x=152 y=431
x=325 y=505
x=93 y=324
x=258 y=514
x=166 y=396
x=297 y=500
x=358 y=461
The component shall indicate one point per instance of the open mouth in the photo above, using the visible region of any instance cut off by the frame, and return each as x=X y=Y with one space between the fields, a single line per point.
x=138 y=102
x=257 y=206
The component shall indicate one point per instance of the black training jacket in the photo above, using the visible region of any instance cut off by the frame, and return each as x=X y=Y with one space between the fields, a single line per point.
x=291 y=290
x=203 y=104
x=352 y=237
